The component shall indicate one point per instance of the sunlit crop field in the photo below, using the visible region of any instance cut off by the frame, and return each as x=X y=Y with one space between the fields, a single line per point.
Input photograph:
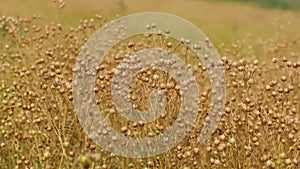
x=260 y=52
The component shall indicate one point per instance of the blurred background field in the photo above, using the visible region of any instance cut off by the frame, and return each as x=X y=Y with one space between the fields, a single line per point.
x=222 y=20
x=281 y=4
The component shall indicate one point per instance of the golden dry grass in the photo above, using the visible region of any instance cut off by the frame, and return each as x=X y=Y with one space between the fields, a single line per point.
x=39 y=127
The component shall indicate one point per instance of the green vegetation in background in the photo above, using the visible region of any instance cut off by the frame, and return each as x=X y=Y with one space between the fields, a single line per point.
x=281 y=4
